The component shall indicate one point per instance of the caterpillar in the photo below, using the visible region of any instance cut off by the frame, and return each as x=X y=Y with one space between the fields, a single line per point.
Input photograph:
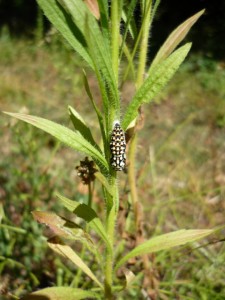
x=118 y=148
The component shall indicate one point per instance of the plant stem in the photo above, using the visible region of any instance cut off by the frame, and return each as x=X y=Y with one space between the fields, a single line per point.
x=112 y=208
x=132 y=178
x=115 y=33
x=146 y=22
x=90 y=194
x=146 y=11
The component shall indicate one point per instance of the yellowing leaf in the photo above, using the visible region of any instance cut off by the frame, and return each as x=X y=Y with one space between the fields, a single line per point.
x=93 y=7
x=62 y=227
x=66 y=251
x=174 y=39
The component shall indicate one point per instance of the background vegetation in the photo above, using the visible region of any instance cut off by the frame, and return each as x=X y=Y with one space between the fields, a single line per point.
x=181 y=167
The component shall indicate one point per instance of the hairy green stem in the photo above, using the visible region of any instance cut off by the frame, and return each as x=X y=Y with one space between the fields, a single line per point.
x=132 y=178
x=115 y=34
x=112 y=208
x=146 y=11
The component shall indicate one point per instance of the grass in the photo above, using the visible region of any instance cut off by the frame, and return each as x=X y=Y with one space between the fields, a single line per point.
x=180 y=170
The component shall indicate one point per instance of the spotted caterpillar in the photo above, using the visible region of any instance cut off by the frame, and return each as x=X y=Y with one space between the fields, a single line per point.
x=118 y=148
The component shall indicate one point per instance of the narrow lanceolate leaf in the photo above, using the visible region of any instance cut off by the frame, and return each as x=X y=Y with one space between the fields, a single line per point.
x=86 y=213
x=97 y=111
x=2 y=213
x=98 y=45
x=62 y=227
x=155 y=83
x=129 y=20
x=104 y=12
x=166 y=241
x=64 y=24
x=80 y=125
x=155 y=7
x=61 y=293
x=66 y=136
x=93 y=7
x=66 y=251
x=174 y=39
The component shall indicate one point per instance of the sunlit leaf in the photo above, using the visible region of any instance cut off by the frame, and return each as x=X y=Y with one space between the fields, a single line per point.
x=155 y=83
x=99 y=49
x=104 y=19
x=174 y=39
x=97 y=111
x=127 y=15
x=80 y=125
x=166 y=241
x=86 y=213
x=61 y=293
x=64 y=24
x=66 y=251
x=66 y=136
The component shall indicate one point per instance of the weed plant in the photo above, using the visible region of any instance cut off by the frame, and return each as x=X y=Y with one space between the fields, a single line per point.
x=116 y=264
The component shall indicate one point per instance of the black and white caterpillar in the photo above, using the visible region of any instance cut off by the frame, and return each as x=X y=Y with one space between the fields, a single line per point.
x=118 y=148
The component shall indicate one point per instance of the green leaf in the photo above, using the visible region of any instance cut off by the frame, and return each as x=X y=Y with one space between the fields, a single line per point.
x=97 y=111
x=61 y=293
x=174 y=39
x=104 y=16
x=66 y=251
x=155 y=83
x=166 y=241
x=13 y=228
x=155 y=7
x=81 y=127
x=99 y=48
x=128 y=17
x=66 y=136
x=88 y=215
x=2 y=213
x=64 y=24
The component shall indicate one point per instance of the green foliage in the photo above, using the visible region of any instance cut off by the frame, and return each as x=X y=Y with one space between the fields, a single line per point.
x=98 y=43
x=88 y=215
x=165 y=241
x=61 y=293
x=66 y=136
x=155 y=82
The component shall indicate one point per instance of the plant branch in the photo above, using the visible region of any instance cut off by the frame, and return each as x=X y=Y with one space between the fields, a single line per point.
x=146 y=11
x=112 y=208
x=115 y=35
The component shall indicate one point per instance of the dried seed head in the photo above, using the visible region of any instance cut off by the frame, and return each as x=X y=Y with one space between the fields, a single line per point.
x=118 y=148
x=86 y=170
